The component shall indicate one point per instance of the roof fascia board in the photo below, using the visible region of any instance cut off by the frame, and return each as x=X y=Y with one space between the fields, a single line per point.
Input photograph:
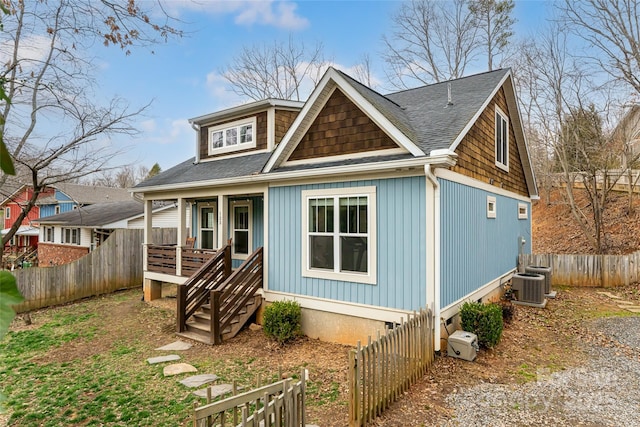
x=475 y=117
x=10 y=197
x=440 y=160
x=246 y=108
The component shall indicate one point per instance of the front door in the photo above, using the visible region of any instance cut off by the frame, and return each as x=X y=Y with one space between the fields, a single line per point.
x=208 y=221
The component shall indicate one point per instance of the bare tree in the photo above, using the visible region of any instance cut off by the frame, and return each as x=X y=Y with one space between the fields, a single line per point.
x=362 y=71
x=613 y=28
x=279 y=70
x=431 y=42
x=54 y=129
x=559 y=101
x=494 y=21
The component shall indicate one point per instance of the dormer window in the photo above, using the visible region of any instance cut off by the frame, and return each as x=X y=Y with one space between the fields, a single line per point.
x=238 y=135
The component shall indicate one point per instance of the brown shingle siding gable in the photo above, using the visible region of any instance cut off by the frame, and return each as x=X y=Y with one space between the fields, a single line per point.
x=476 y=152
x=341 y=128
x=283 y=121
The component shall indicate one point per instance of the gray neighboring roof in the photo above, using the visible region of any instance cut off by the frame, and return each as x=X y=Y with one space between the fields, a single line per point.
x=88 y=194
x=96 y=215
x=250 y=164
x=437 y=124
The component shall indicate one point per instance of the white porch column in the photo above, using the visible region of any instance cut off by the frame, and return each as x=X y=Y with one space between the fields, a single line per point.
x=182 y=233
x=148 y=228
x=152 y=289
x=223 y=210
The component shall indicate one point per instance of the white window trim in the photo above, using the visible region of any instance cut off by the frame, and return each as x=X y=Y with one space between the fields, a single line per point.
x=53 y=234
x=492 y=207
x=371 y=276
x=63 y=237
x=56 y=209
x=521 y=214
x=199 y=240
x=239 y=146
x=233 y=204
x=503 y=166
x=7 y=212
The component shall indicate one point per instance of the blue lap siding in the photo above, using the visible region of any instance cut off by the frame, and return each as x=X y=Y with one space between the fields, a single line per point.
x=401 y=248
x=476 y=250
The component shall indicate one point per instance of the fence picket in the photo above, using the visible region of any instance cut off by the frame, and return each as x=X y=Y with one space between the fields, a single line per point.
x=385 y=368
x=587 y=270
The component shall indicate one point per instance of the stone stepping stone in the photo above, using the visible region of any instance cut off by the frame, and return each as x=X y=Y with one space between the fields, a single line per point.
x=610 y=295
x=162 y=359
x=628 y=307
x=198 y=380
x=178 y=368
x=175 y=346
x=216 y=391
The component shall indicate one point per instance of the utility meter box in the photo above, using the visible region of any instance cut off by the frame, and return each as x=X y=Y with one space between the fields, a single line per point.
x=463 y=345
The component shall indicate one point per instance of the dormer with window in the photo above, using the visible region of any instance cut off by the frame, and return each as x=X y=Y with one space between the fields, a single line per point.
x=247 y=129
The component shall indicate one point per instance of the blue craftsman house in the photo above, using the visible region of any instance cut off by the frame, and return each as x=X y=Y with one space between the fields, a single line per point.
x=360 y=206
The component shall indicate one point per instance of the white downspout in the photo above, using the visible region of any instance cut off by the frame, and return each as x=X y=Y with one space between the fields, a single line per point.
x=196 y=127
x=434 y=261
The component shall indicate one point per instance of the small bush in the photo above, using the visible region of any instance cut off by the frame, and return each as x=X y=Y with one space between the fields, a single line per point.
x=484 y=320
x=281 y=321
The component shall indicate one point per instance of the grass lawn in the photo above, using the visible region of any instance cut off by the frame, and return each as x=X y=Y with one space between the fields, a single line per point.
x=85 y=364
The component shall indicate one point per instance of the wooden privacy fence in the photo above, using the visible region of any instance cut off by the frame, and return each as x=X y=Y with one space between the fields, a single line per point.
x=116 y=264
x=280 y=404
x=587 y=270
x=384 y=369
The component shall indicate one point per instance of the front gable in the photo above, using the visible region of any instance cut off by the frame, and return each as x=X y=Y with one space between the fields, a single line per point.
x=341 y=128
x=342 y=119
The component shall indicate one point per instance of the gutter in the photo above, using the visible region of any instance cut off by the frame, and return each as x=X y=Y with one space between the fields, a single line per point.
x=435 y=277
x=196 y=127
x=445 y=160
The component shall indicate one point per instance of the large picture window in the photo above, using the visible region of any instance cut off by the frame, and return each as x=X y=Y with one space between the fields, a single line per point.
x=339 y=234
x=233 y=136
x=502 y=140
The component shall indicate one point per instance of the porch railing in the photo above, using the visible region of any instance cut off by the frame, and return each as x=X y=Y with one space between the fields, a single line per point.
x=195 y=292
x=163 y=259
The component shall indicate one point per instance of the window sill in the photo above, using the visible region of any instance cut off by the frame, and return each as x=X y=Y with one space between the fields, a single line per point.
x=365 y=278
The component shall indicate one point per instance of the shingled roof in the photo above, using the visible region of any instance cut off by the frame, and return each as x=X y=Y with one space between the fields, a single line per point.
x=424 y=115
x=88 y=194
x=96 y=215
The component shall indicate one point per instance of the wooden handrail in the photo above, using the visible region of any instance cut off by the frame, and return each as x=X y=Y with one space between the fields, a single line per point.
x=196 y=290
x=236 y=291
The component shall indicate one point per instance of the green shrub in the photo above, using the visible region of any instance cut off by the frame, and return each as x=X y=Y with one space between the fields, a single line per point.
x=281 y=321
x=484 y=320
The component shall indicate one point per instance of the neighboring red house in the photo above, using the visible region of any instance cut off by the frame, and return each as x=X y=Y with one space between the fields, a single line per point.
x=26 y=238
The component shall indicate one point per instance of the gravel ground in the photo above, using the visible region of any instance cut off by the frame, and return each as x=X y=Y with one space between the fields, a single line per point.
x=605 y=392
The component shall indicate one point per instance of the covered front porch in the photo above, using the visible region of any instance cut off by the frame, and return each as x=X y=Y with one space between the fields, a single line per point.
x=204 y=224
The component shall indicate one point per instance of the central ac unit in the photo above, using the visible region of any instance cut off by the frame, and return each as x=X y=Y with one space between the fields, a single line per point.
x=529 y=288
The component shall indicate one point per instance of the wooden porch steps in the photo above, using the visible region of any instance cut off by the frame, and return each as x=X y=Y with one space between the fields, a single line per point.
x=198 y=327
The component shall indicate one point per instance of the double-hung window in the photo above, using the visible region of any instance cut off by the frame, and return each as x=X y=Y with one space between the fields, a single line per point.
x=502 y=140
x=71 y=236
x=237 y=135
x=339 y=239
x=7 y=212
x=48 y=234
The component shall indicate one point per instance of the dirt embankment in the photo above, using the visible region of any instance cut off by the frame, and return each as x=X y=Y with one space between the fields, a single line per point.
x=555 y=230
